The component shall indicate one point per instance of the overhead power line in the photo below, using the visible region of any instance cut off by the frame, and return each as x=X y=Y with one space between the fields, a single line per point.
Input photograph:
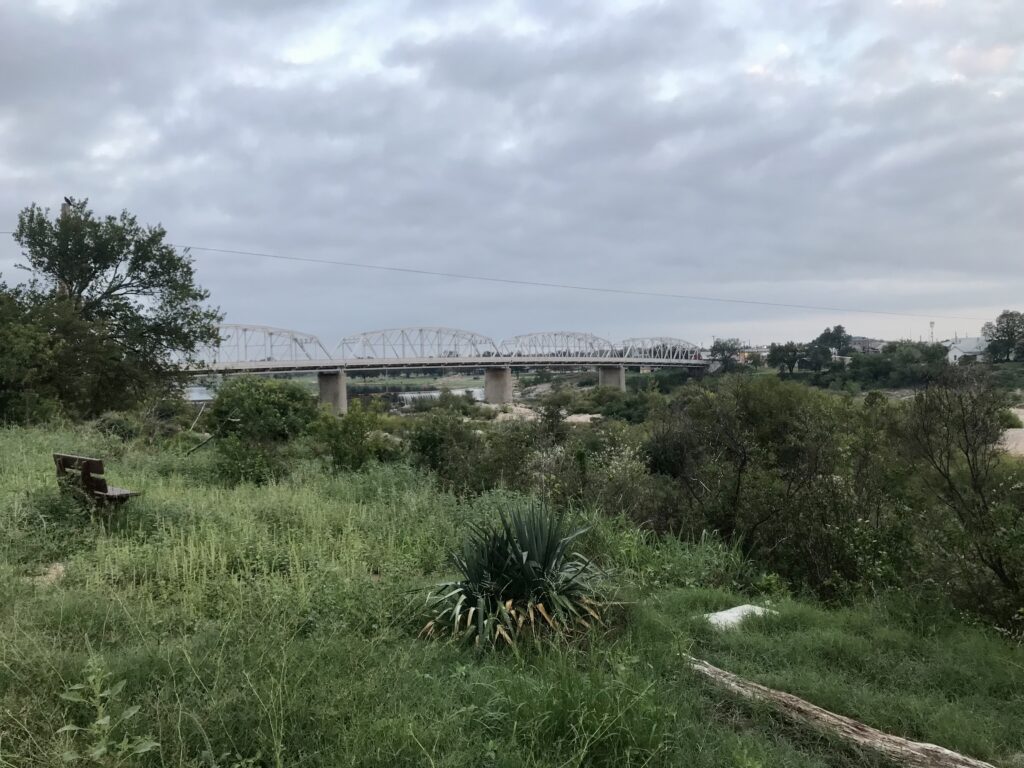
x=566 y=286
x=563 y=286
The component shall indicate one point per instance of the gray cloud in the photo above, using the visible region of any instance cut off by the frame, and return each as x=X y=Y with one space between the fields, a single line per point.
x=857 y=153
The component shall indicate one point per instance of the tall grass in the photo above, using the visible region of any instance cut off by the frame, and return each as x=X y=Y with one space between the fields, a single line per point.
x=267 y=627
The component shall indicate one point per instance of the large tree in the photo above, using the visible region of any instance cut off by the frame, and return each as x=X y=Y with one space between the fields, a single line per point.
x=1005 y=336
x=785 y=355
x=118 y=305
x=726 y=352
x=831 y=341
x=835 y=339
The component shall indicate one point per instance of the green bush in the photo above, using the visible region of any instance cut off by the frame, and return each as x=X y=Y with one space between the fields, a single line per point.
x=517 y=578
x=347 y=439
x=971 y=495
x=253 y=419
x=446 y=444
x=119 y=424
x=471 y=458
x=266 y=410
x=1009 y=420
x=807 y=483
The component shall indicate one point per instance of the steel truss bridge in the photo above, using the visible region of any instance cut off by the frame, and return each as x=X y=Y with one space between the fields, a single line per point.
x=262 y=349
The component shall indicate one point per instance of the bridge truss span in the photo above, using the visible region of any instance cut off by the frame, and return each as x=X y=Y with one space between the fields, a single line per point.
x=242 y=344
x=264 y=349
x=558 y=344
x=398 y=344
x=659 y=348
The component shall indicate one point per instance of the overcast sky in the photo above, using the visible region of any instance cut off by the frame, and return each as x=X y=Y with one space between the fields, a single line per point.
x=864 y=154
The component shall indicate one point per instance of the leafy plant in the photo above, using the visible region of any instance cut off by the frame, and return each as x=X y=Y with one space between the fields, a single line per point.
x=98 y=743
x=120 y=424
x=346 y=440
x=253 y=420
x=519 y=577
x=263 y=410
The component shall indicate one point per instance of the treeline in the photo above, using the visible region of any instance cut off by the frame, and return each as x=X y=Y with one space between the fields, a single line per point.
x=831 y=359
x=898 y=364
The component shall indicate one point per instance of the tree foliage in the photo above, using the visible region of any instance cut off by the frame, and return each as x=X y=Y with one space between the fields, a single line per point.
x=1005 y=336
x=785 y=356
x=835 y=339
x=348 y=440
x=953 y=428
x=726 y=352
x=107 y=312
x=899 y=364
x=253 y=420
x=768 y=466
x=261 y=410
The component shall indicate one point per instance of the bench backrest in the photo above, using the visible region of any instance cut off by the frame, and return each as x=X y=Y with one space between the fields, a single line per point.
x=89 y=471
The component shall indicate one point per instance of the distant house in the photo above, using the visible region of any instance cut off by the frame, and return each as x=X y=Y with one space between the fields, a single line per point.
x=867 y=346
x=966 y=350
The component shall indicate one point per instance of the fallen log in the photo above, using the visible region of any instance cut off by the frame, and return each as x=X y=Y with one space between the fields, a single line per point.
x=899 y=750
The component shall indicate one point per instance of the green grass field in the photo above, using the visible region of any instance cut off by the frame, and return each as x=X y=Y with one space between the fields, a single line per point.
x=277 y=626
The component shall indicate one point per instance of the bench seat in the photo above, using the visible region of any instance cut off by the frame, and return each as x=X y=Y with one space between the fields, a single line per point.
x=116 y=494
x=87 y=473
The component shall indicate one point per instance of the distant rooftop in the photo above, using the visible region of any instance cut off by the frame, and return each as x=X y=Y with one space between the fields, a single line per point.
x=969 y=345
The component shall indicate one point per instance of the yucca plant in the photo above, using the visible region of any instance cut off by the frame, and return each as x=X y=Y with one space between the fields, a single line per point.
x=518 y=577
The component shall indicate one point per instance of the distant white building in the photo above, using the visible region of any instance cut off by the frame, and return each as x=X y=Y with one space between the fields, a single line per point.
x=965 y=350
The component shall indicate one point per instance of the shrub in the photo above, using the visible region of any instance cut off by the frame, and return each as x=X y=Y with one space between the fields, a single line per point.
x=552 y=415
x=266 y=410
x=446 y=444
x=952 y=429
x=517 y=578
x=806 y=483
x=119 y=424
x=386 y=447
x=559 y=474
x=347 y=440
x=504 y=458
x=252 y=419
x=1009 y=420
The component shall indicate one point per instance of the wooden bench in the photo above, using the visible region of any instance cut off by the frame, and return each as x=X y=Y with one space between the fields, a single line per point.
x=88 y=473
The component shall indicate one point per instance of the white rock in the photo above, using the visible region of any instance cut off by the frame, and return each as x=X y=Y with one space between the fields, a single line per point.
x=733 y=616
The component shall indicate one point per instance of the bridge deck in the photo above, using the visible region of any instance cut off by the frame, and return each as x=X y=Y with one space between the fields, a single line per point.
x=289 y=366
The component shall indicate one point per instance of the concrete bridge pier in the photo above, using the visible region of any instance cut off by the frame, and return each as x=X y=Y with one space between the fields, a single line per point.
x=612 y=376
x=334 y=390
x=498 y=385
